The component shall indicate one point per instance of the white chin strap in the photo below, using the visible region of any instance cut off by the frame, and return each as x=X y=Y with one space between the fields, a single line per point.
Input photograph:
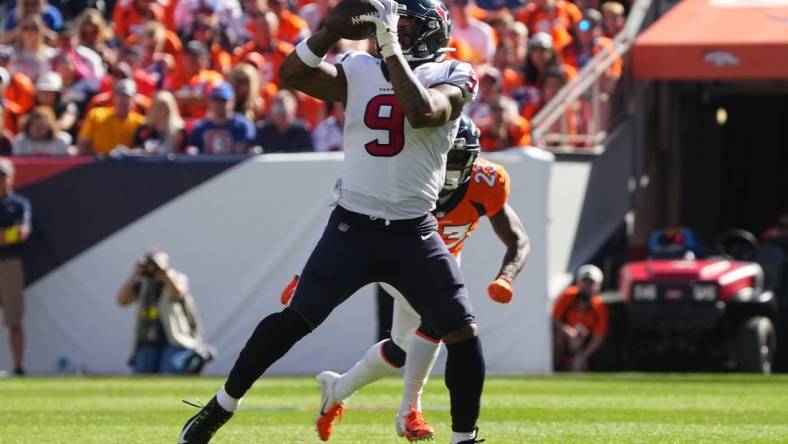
x=453 y=179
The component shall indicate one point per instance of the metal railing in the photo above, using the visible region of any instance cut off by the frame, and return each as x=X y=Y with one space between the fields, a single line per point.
x=586 y=97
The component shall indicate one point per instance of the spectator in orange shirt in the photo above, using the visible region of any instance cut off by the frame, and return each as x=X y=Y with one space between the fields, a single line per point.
x=129 y=15
x=555 y=17
x=153 y=32
x=504 y=61
x=265 y=27
x=477 y=34
x=579 y=321
x=505 y=128
x=17 y=93
x=292 y=28
x=310 y=110
x=496 y=115
x=192 y=98
x=462 y=51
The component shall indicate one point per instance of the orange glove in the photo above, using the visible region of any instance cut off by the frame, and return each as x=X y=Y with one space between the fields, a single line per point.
x=501 y=290
x=289 y=291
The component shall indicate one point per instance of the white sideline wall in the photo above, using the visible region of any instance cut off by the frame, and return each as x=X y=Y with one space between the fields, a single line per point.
x=240 y=237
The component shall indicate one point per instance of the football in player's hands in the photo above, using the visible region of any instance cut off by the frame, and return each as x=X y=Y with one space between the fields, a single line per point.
x=343 y=20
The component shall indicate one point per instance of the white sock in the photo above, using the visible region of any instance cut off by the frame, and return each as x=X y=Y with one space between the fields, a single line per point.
x=366 y=371
x=457 y=437
x=418 y=365
x=227 y=402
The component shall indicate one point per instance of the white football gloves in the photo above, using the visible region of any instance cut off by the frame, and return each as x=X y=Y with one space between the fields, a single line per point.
x=385 y=26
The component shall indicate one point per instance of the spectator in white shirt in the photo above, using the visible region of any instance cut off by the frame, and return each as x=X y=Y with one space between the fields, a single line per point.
x=41 y=137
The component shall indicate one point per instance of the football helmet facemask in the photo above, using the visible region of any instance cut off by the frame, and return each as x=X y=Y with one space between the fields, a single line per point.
x=462 y=155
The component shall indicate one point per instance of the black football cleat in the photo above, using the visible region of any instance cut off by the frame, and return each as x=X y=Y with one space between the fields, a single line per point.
x=201 y=427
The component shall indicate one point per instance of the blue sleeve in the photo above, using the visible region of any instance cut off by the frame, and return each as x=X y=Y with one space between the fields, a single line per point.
x=27 y=212
x=53 y=18
x=196 y=137
x=10 y=22
x=248 y=130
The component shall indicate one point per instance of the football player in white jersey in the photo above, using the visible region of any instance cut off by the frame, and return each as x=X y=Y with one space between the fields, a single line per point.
x=401 y=117
x=473 y=188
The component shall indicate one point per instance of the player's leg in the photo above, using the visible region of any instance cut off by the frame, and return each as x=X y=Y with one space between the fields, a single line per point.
x=382 y=359
x=423 y=349
x=409 y=421
x=385 y=357
x=333 y=272
x=11 y=287
x=434 y=287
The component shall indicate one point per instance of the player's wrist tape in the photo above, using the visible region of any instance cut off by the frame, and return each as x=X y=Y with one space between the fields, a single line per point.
x=390 y=49
x=306 y=55
x=505 y=277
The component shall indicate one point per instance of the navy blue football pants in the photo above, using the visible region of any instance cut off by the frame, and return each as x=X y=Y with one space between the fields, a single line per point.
x=356 y=250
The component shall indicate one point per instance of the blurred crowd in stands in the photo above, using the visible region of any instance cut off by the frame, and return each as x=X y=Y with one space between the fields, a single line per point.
x=162 y=77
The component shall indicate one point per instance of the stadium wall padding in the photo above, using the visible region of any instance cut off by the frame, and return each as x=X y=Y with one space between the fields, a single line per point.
x=240 y=230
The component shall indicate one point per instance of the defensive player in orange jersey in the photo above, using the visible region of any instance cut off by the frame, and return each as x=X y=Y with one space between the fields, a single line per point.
x=473 y=188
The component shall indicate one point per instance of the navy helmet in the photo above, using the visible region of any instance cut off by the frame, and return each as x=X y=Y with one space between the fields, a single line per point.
x=429 y=36
x=462 y=154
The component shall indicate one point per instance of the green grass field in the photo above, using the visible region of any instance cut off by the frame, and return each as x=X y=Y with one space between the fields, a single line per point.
x=634 y=408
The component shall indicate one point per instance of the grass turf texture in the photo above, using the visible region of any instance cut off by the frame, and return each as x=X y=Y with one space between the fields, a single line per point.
x=615 y=408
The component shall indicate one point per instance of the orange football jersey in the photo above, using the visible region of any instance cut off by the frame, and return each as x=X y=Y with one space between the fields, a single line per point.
x=484 y=195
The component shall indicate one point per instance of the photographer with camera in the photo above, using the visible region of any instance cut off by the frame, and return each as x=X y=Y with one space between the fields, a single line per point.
x=168 y=336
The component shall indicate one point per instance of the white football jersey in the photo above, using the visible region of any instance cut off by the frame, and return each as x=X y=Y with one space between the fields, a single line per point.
x=392 y=170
